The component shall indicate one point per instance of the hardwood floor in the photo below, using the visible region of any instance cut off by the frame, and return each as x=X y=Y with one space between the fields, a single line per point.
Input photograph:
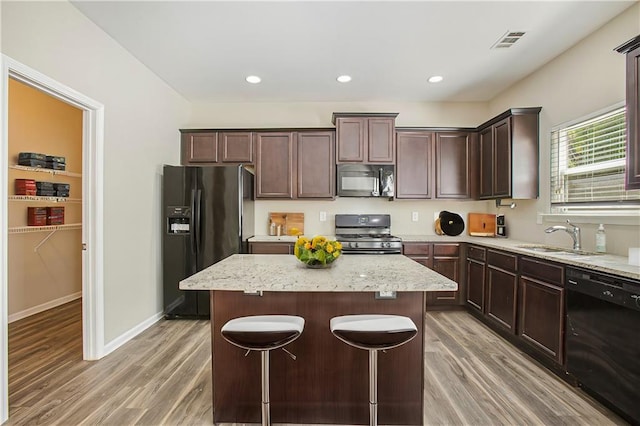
x=162 y=377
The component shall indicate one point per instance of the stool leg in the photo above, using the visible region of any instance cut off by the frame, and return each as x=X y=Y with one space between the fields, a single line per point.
x=266 y=412
x=373 y=387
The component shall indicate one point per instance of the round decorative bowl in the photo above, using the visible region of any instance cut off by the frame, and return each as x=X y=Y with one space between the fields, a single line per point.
x=319 y=265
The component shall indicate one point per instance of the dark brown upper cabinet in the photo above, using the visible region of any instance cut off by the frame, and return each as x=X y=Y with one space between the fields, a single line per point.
x=632 y=50
x=275 y=164
x=365 y=137
x=295 y=165
x=199 y=148
x=236 y=147
x=414 y=170
x=433 y=165
x=508 y=155
x=217 y=148
x=453 y=165
x=316 y=165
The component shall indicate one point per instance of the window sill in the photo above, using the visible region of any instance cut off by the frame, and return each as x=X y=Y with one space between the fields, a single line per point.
x=606 y=218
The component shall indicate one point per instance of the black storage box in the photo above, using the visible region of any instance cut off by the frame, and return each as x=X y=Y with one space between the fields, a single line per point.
x=61 y=186
x=32 y=156
x=32 y=163
x=44 y=185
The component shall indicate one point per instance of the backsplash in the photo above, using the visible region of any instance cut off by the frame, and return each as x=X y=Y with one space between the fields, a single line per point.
x=401 y=213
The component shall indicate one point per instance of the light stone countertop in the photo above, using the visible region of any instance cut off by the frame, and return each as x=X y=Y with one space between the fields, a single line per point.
x=607 y=263
x=357 y=273
x=282 y=238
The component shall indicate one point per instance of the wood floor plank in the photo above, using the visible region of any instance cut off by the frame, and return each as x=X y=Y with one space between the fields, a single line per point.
x=163 y=377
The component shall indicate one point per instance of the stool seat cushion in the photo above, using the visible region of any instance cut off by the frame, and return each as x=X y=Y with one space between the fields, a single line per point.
x=263 y=332
x=374 y=331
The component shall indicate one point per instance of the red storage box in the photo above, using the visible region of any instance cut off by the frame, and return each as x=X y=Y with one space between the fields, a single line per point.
x=25 y=187
x=36 y=216
x=55 y=215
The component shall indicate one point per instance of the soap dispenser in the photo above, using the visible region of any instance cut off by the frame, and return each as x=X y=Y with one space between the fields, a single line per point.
x=601 y=239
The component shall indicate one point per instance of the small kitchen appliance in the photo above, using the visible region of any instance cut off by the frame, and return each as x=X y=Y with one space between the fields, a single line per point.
x=501 y=227
x=365 y=180
x=366 y=234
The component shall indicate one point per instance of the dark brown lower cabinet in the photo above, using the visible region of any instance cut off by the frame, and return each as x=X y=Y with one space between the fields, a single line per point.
x=502 y=289
x=443 y=258
x=541 y=307
x=475 y=284
x=271 y=248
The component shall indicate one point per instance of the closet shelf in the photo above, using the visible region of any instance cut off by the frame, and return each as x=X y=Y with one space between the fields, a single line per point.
x=49 y=228
x=43 y=170
x=47 y=199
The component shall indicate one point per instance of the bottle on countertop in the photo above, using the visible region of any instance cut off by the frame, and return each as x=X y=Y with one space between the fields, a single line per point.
x=601 y=239
x=272 y=228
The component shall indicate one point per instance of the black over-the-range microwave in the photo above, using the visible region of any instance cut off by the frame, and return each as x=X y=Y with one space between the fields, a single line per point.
x=365 y=180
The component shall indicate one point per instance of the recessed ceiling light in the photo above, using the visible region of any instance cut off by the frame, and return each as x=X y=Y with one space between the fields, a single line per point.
x=253 y=79
x=435 y=79
x=344 y=78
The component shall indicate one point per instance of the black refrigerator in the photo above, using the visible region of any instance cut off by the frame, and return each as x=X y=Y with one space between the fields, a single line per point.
x=208 y=215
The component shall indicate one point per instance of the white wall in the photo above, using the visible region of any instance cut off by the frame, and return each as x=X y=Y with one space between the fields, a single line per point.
x=142 y=118
x=586 y=78
x=318 y=114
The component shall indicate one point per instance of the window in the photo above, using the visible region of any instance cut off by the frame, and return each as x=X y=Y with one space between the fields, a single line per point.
x=588 y=165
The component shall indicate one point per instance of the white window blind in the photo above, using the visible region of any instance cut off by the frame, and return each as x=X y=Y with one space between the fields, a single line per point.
x=588 y=164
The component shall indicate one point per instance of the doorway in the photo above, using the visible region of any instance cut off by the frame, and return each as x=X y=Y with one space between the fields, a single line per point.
x=91 y=214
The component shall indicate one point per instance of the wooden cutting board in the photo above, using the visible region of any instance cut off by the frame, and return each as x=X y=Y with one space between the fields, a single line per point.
x=481 y=224
x=288 y=221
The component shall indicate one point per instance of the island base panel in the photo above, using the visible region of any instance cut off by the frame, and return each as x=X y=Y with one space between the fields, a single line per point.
x=329 y=381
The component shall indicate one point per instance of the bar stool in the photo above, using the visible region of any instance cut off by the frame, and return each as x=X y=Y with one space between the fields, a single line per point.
x=373 y=333
x=263 y=333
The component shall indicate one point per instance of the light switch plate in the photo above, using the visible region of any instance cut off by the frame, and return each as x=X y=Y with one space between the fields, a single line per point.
x=323 y=216
x=414 y=216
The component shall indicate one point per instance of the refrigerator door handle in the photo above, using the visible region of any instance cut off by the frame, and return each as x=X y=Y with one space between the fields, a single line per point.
x=197 y=220
x=193 y=235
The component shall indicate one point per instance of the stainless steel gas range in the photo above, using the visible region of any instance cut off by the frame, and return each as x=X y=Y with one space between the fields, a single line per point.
x=366 y=234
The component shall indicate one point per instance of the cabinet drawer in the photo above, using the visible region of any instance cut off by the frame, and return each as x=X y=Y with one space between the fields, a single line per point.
x=416 y=248
x=545 y=271
x=477 y=253
x=508 y=262
x=440 y=249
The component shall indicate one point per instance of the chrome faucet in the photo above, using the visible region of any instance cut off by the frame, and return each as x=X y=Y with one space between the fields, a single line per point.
x=575 y=233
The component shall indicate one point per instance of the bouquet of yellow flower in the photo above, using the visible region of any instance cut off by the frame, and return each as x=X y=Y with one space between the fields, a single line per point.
x=317 y=251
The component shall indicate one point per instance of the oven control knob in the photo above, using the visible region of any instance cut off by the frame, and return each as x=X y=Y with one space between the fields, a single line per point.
x=355 y=245
x=386 y=244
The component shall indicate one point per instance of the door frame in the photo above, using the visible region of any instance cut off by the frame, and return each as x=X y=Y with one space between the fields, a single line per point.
x=92 y=213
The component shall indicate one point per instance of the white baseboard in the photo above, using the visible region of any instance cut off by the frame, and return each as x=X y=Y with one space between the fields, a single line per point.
x=128 y=335
x=45 y=306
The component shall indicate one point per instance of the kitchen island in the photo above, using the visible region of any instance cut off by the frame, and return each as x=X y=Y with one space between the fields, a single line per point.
x=328 y=383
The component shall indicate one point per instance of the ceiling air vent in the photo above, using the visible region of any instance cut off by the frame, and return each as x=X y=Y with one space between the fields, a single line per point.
x=508 y=39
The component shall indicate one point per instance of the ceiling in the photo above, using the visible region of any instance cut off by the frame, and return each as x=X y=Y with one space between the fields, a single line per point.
x=205 y=49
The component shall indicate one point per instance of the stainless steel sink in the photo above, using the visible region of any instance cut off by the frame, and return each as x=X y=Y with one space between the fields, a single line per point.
x=556 y=250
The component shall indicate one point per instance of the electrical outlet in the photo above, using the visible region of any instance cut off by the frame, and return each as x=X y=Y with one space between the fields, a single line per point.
x=385 y=295
x=323 y=216
x=539 y=218
x=414 y=216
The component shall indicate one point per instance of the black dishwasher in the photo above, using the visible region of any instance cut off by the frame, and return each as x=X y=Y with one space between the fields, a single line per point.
x=603 y=338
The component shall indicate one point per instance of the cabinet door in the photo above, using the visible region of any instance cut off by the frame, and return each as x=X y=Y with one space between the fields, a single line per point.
x=199 y=148
x=381 y=140
x=475 y=284
x=450 y=268
x=316 y=165
x=452 y=165
x=633 y=119
x=419 y=252
x=542 y=316
x=351 y=134
x=274 y=166
x=485 y=143
x=502 y=159
x=236 y=147
x=501 y=297
x=414 y=171
x=271 y=248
